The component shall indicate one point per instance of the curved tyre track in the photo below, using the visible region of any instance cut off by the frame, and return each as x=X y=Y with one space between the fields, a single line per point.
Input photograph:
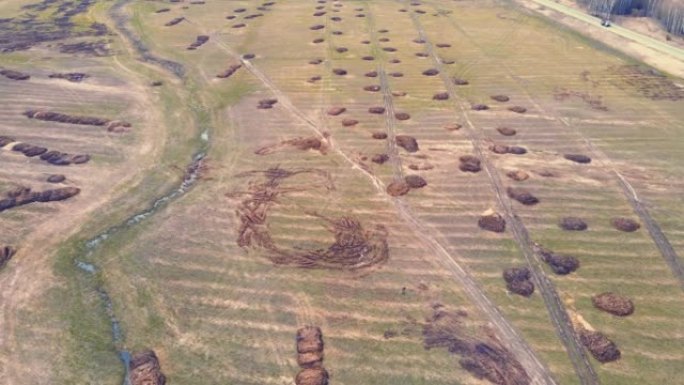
x=559 y=316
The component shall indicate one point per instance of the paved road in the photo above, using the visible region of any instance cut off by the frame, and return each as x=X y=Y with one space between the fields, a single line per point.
x=642 y=39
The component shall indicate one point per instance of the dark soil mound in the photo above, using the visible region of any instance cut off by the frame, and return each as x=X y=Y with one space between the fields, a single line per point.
x=521 y=195
x=398 y=188
x=379 y=135
x=505 y=131
x=560 y=264
x=56 y=178
x=380 y=158
x=578 y=158
x=74 y=77
x=349 y=122
x=625 y=224
x=481 y=355
x=312 y=376
x=603 y=349
x=518 y=109
x=573 y=224
x=334 y=111
x=265 y=104
x=199 y=41
x=460 y=82
x=479 y=107
x=518 y=281
x=470 y=163
x=6 y=253
x=518 y=175
x=174 y=21
x=372 y=88
x=230 y=71
x=371 y=74
x=376 y=110
x=440 y=96
x=431 y=72
x=415 y=181
x=339 y=71
x=500 y=98
x=613 y=304
x=144 y=369
x=406 y=142
x=402 y=116
x=492 y=221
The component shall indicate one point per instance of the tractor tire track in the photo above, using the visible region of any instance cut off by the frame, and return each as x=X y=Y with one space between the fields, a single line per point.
x=554 y=304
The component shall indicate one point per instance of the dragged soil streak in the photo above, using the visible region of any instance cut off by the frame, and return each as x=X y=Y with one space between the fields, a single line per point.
x=552 y=300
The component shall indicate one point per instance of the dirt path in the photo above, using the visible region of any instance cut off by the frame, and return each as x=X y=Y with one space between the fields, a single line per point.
x=559 y=316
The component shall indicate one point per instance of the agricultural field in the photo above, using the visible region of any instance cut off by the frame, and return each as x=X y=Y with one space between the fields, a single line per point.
x=334 y=191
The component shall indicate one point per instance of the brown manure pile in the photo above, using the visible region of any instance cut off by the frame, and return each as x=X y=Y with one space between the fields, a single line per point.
x=504 y=149
x=376 y=110
x=299 y=143
x=24 y=196
x=492 y=221
x=230 y=71
x=396 y=74
x=73 y=77
x=379 y=135
x=431 y=72
x=398 y=188
x=349 y=122
x=506 y=131
x=500 y=98
x=479 y=107
x=406 y=142
x=199 y=41
x=56 y=178
x=144 y=369
x=402 y=116
x=371 y=74
x=460 y=82
x=518 y=281
x=470 y=163
x=339 y=71
x=483 y=356
x=5 y=140
x=14 y=75
x=334 y=111
x=266 y=104
x=372 y=88
x=316 y=27
x=613 y=303
x=49 y=116
x=573 y=224
x=174 y=21
x=625 y=224
x=440 y=96
x=521 y=195
x=29 y=150
x=312 y=376
x=6 y=253
x=63 y=159
x=560 y=264
x=518 y=175
x=518 y=109
x=415 y=181
x=578 y=158
x=453 y=126
x=602 y=348
x=380 y=158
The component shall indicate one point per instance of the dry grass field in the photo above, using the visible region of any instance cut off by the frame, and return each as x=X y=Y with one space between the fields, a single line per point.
x=239 y=208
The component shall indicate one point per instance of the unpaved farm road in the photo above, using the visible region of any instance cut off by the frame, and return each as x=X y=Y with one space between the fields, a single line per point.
x=637 y=37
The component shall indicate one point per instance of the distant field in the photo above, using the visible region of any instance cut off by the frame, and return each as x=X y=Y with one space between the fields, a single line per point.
x=217 y=309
